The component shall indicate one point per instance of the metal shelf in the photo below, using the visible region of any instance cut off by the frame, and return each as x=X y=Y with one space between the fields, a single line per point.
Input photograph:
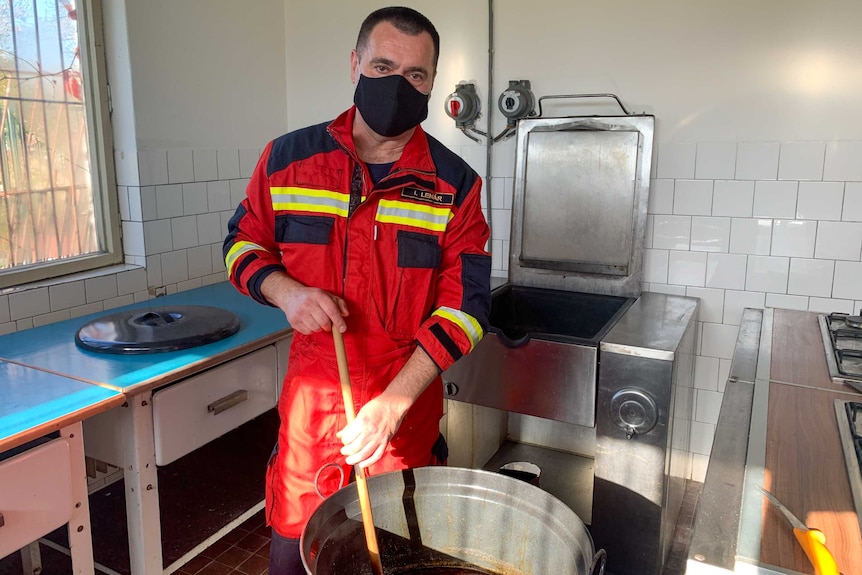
x=566 y=476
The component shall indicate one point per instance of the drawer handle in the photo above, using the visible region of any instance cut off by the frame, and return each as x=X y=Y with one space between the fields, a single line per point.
x=227 y=401
x=2 y=521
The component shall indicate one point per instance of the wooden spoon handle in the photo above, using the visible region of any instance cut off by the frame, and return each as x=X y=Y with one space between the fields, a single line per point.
x=361 y=485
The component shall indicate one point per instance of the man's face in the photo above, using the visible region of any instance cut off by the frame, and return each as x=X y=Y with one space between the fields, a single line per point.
x=390 y=51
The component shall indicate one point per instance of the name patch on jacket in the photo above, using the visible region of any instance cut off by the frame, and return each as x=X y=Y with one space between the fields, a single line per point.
x=429 y=197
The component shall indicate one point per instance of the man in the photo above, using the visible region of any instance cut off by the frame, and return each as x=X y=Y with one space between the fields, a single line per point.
x=369 y=226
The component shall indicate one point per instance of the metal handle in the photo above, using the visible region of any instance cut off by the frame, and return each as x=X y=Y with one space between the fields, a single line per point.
x=572 y=96
x=599 y=561
x=227 y=402
x=321 y=470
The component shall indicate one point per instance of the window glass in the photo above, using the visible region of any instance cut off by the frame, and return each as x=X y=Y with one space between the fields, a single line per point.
x=54 y=210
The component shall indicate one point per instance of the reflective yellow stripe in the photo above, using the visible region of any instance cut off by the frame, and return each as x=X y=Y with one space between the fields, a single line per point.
x=465 y=321
x=307 y=200
x=236 y=251
x=415 y=215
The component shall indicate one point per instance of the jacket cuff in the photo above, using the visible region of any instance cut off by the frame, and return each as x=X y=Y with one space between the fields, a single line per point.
x=256 y=280
x=439 y=346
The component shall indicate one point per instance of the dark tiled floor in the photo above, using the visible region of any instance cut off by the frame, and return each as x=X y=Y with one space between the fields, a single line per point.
x=245 y=550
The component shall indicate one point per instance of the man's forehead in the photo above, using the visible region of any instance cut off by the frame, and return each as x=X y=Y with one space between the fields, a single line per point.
x=385 y=31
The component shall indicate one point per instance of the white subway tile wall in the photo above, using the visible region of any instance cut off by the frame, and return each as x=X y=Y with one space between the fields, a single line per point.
x=820 y=200
x=732 y=198
x=67 y=295
x=801 y=161
x=852 y=211
x=692 y=197
x=750 y=236
x=181 y=167
x=205 y=165
x=671 y=232
x=793 y=238
x=710 y=234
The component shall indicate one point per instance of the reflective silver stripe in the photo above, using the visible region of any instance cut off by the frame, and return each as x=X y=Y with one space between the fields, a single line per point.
x=465 y=321
x=308 y=200
x=425 y=217
x=236 y=251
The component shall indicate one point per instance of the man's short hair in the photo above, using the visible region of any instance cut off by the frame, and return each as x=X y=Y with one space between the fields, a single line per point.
x=406 y=20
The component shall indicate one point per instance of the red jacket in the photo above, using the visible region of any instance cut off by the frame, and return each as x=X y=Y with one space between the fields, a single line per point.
x=407 y=255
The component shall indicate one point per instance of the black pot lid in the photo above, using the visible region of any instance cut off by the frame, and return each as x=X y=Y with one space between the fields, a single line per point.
x=156 y=329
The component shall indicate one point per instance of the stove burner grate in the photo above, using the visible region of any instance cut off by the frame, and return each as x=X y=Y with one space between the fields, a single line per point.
x=853 y=410
x=846 y=344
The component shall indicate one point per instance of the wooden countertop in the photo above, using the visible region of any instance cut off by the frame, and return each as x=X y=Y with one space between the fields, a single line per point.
x=804 y=462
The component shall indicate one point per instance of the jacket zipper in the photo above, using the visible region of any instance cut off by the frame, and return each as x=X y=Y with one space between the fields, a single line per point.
x=355 y=201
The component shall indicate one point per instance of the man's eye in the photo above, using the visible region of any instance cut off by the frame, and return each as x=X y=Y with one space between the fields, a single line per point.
x=381 y=69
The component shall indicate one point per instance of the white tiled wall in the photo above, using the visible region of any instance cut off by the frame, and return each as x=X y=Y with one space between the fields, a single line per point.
x=174 y=214
x=749 y=224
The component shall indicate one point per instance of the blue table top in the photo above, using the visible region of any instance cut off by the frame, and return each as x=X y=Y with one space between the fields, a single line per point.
x=32 y=399
x=52 y=347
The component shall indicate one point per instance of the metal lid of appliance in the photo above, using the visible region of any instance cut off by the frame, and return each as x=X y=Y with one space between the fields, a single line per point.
x=580 y=203
x=157 y=329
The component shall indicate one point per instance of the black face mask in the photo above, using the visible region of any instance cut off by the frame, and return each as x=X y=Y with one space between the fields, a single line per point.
x=390 y=105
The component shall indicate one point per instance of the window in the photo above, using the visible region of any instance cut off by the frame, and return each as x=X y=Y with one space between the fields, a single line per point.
x=58 y=210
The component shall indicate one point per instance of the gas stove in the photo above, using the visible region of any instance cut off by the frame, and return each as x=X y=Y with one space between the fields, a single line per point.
x=842 y=339
x=849 y=414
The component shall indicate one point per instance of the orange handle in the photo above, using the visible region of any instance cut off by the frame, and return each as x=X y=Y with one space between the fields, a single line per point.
x=813 y=542
x=361 y=485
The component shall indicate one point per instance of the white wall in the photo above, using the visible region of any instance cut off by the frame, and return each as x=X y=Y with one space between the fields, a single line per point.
x=207 y=73
x=771 y=70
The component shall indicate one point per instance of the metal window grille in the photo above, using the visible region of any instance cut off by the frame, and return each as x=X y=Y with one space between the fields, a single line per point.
x=49 y=209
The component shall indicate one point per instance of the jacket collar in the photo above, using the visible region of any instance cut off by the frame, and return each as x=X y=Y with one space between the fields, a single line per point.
x=415 y=165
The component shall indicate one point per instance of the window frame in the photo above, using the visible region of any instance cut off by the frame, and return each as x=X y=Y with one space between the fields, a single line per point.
x=97 y=105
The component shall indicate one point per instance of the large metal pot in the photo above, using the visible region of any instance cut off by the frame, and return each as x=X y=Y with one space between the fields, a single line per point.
x=448 y=517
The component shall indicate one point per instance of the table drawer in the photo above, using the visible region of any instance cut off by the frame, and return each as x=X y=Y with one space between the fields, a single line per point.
x=35 y=494
x=193 y=412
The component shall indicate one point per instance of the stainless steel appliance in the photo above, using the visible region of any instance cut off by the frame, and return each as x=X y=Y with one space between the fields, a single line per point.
x=849 y=414
x=842 y=340
x=573 y=340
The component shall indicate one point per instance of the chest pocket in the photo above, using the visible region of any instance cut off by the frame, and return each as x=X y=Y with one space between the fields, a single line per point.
x=418 y=250
x=404 y=299
x=294 y=229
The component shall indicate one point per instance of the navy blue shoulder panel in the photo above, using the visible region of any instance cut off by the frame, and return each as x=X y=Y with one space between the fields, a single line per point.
x=452 y=169
x=299 y=145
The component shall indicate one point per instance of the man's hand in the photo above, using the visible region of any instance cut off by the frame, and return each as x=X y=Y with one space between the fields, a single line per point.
x=367 y=436
x=308 y=309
